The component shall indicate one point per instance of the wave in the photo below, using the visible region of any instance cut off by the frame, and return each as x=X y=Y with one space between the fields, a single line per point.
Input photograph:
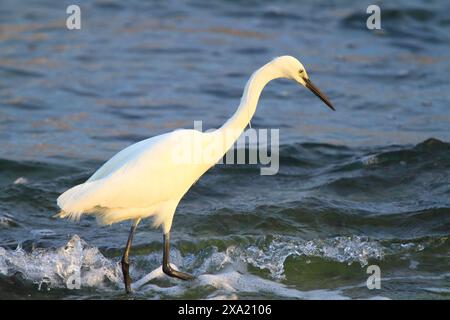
x=308 y=155
x=315 y=212
x=56 y=267
x=78 y=265
x=319 y=186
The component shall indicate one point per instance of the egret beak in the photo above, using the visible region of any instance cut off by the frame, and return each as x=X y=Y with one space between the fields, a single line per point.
x=318 y=93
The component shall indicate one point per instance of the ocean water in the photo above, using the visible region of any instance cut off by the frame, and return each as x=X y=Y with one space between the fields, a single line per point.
x=365 y=185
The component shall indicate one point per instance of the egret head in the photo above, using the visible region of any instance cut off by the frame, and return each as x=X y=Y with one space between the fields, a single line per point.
x=292 y=69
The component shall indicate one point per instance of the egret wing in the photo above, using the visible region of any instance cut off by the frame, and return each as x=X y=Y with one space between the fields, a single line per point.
x=147 y=174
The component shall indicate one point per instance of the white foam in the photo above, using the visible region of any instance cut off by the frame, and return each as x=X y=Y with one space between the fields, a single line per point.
x=232 y=282
x=21 y=180
x=74 y=263
x=225 y=271
x=341 y=249
x=229 y=283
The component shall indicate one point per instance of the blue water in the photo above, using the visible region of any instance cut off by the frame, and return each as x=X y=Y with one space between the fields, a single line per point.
x=365 y=185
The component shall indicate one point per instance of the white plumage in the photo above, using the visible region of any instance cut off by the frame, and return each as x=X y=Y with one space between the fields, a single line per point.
x=146 y=179
x=149 y=178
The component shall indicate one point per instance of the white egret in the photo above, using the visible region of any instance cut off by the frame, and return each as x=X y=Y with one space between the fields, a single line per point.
x=147 y=179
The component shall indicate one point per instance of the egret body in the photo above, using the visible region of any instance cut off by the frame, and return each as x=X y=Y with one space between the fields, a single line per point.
x=147 y=179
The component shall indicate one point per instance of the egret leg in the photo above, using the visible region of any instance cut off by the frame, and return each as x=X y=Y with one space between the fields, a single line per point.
x=125 y=261
x=167 y=269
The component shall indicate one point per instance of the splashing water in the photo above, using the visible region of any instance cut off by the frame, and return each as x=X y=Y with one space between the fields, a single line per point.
x=75 y=265
x=78 y=265
x=341 y=249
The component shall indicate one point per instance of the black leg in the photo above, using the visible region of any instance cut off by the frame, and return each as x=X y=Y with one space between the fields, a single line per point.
x=125 y=262
x=167 y=269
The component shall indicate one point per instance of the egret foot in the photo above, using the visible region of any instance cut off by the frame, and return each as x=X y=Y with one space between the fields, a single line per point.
x=166 y=267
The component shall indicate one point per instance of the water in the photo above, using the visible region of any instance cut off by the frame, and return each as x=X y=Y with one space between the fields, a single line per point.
x=368 y=184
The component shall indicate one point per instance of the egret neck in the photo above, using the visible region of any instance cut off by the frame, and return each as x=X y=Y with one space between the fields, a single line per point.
x=233 y=128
